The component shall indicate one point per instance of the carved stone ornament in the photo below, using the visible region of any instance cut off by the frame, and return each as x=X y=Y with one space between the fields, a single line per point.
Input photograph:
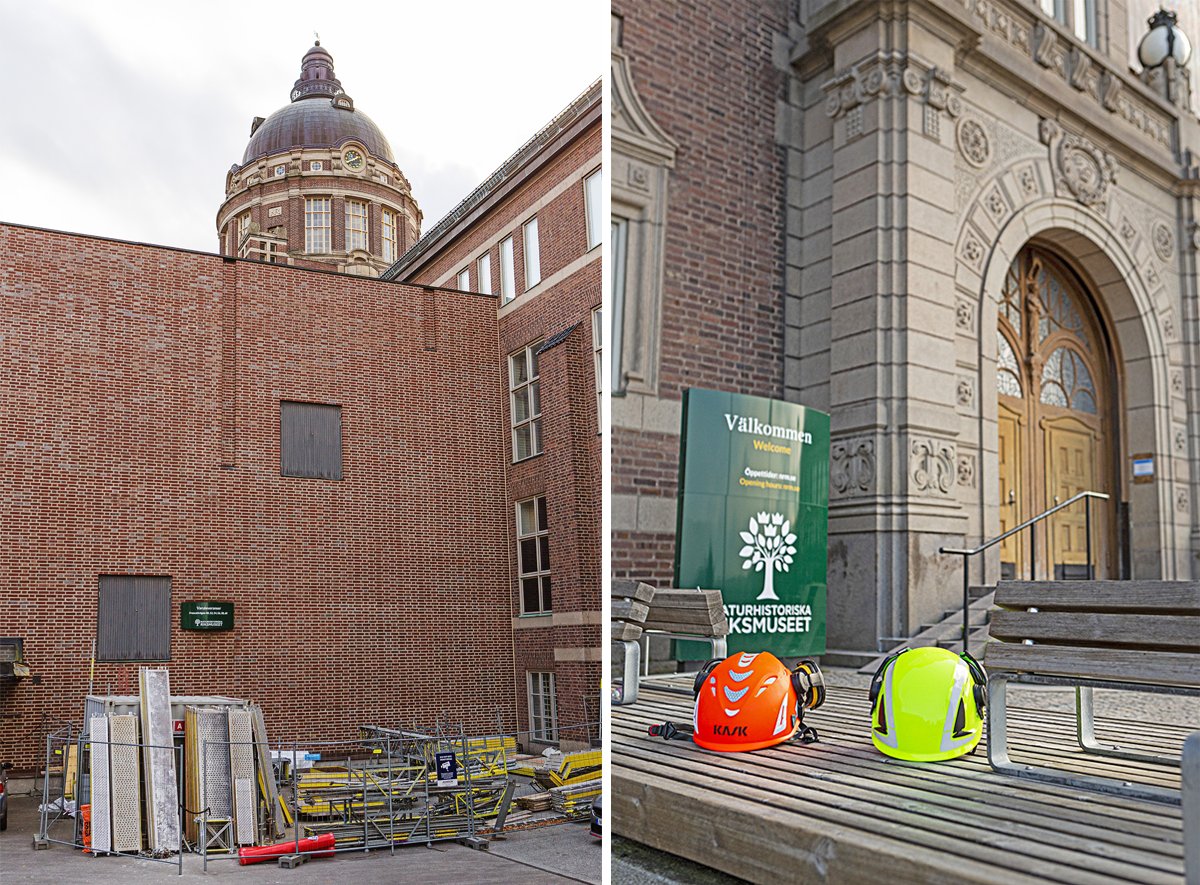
x=965 y=391
x=964 y=315
x=1177 y=383
x=932 y=466
x=972 y=250
x=1168 y=325
x=1127 y=230
x=1194 y=230
x=1164 y=241
x=1080 y=168
x=892 y=75
x=966 y=470
x=852 y=466
x=973 y=142
x=1181 y=500
x=1180 y=441
x=1028 y=181
x=639 y=177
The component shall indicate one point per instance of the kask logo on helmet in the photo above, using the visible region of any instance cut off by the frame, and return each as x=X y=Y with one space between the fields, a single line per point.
x=730 y=730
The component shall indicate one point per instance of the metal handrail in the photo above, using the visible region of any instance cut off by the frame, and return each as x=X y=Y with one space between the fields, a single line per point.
x=1028 y=524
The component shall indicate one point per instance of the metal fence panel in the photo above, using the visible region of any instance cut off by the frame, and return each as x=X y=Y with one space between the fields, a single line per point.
x=310 y=440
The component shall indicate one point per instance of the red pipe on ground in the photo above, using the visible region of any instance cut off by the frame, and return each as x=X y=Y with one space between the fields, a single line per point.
x=322 y=844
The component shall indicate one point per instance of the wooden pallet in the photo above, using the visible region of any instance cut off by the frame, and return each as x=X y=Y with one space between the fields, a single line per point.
x=839 y=811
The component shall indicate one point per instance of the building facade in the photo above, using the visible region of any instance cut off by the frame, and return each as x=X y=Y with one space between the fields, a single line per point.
x=334 y=455
x=531 y=235
x=963 y=229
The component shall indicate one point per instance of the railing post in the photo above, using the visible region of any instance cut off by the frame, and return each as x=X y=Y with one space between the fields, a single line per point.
x=1087 y=522
x=1033 y=551
x=966 y=601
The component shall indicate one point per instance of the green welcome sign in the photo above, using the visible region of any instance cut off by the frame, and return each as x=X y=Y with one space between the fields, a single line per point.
x=753 y=518
x=207 y=616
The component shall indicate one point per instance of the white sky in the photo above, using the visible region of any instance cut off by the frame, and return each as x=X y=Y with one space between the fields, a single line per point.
x=122 y=118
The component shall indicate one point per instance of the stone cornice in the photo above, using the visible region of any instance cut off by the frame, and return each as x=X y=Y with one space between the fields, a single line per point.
x=892 y=75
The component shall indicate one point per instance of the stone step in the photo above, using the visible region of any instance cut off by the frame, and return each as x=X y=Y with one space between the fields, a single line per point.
x=834 y=657
x=946 y=633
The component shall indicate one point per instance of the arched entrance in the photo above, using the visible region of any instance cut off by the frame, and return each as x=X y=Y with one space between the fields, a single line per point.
x=1055 y=385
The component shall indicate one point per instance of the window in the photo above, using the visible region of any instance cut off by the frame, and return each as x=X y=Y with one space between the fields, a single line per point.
x=597 y=350
x=389 y=236
x=543 y=712
x=243 y=227
x=316 y=166
x=310 y=440
x=594 y=198
x=316 y=224
x=464 y=280
x=1078 y=15
x=620 y=234
x=533 y=260
x=507 y=282
x=526 y=403
x=533 y=555
x=484 y=269
x=356 y=224
x=133 y=618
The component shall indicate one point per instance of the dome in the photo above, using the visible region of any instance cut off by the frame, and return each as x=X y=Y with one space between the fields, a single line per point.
x=320 y=115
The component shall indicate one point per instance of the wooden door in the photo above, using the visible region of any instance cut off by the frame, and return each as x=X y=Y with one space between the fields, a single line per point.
x=1070 y=460
x=1012 y=550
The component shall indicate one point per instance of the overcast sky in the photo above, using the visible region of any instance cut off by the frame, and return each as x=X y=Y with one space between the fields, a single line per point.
x=122 y=118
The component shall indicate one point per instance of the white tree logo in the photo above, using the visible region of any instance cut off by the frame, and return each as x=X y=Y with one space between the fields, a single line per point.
x=768 y=547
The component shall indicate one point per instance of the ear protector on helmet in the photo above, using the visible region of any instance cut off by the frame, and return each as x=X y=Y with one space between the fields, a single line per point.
x=809 y=684
x=708 y=667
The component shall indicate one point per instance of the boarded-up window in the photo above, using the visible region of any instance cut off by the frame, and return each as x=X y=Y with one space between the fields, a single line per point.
x=133 y=618
x=310 y=440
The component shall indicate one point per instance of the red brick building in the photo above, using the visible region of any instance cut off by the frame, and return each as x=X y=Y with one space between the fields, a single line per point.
x=531 y=234
x=331 y=454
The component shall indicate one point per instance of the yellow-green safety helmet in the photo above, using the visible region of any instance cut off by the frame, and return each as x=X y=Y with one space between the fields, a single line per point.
x=927 y=704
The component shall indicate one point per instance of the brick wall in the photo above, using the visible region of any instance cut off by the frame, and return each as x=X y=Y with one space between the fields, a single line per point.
x=130 y=372
x=705 y=73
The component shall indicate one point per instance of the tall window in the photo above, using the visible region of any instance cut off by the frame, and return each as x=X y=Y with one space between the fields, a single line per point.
x=594 y=199
x=1078 y=15
x=464 y=280
x=484 y=269
x=597 y=350
x=543 y=712
x=243 y=227
x=508 y=282
x=533 y=260
x=526 y=402
x=316 y=224
x=356 y=224
x=389 y=236
x=620 y=234
x=533 y=554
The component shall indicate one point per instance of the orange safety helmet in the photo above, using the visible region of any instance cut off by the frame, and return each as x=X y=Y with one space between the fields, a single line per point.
x=749 y=701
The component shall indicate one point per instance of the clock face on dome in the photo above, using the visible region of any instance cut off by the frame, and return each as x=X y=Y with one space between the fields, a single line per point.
x=353 y=159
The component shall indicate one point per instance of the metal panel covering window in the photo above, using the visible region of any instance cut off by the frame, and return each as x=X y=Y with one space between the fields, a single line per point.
x=543 y=711
x=526 y=397
x=356 y=224
x=310 y=440
x=133 y=618
x=533 y=554
x=316 y=224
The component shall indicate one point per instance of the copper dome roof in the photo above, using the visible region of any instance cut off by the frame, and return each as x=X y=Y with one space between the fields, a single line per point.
x=314 y=119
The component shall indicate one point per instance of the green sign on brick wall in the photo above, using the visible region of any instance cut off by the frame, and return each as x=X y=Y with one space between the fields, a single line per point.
x=753 y=518
x=207 y=616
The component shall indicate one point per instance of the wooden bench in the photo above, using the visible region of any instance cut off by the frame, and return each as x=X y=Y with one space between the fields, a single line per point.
x=1128 y=635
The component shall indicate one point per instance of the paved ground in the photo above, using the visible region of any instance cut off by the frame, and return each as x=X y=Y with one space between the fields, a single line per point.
x=637 y=864
x=558 y=855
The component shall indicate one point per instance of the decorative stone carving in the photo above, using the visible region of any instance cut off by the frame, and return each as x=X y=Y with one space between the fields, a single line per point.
x=964 y=315
x=1151 y=277
x=639 y=177
x=1080 y=167
x=1168 y=324
x=1181 y=500
x=972 y=250
x=1027 y=178
x=1164 y=241
x=966 y=470
x=1110 y=91
x=1045 y=43
x=854 y=123
x=973 y=142
x=1127 y=230
x=852 y=466
x=965 y=391
x=1081 y=68
x=1195 y=235
x=931 y=122
x=995 y=203
x=932 y=466
x=892 y=75
x=1180 y=441
x=1177 y=382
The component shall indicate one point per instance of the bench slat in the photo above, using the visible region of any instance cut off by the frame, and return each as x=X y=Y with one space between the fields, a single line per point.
x=1180 y=632
x=623 y=630
x=1181 y=597
x=1119 y=665
x=632 y=589
x=629 y=610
